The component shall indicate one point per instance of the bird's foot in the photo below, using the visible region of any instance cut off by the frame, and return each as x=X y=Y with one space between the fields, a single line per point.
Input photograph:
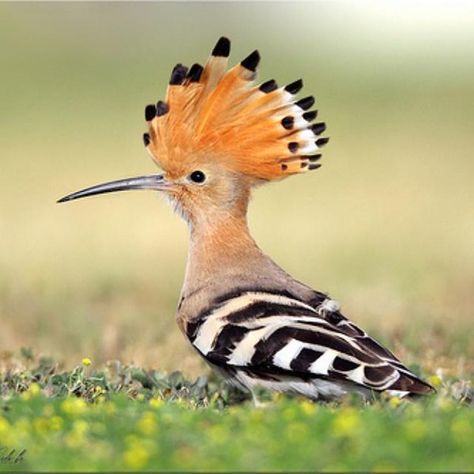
x=258 y=403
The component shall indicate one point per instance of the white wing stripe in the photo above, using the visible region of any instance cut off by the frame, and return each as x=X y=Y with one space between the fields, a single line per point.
x=357 y=375
x=321 y=365
x=245 y=349
x=214 y=323
x=285 y=356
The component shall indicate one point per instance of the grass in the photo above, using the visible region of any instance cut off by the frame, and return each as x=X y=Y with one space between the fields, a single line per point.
x=383 y=226
x=126 y=418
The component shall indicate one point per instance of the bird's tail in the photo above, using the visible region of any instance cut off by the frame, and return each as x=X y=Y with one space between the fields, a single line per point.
x=410 y=385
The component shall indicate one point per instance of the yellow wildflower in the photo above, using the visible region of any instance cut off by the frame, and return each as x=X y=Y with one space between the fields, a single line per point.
x=41 y=424
x=77 y=435
x=34 y=389
x=4 y=425
x=56 y=423
x=309 y=408
x=26 y=395
x=100 y=399
x=136 y=456
x=277 y=396
x=74 y=406
x=395 y=402
x=147 y=423
x=435 y=380
x=346 y=422
x=156 y=402
x=80 y=427
x=86 y=361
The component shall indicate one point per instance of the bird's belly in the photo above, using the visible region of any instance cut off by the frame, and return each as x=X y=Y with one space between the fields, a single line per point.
x=312 y=388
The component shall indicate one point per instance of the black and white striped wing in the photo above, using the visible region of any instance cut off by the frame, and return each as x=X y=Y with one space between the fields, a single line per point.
x=266 y=334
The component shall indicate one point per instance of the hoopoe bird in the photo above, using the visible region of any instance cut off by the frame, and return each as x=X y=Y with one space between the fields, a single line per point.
x=217 y=136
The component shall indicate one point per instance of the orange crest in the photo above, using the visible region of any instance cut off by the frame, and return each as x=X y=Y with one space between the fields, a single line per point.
x=216 y=115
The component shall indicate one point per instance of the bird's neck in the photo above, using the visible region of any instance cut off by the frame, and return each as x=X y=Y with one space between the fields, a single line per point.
x=223 y=257
x=221 y=249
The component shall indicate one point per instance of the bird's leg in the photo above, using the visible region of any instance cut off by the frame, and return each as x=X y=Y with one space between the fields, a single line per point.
x=257 y=403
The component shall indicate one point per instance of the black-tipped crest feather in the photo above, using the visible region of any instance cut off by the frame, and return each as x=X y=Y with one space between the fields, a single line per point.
x=318 y=128
x=305 y=103
x=269 y=86
x=150 y=112
x=294 y=87
x=251 y=61
x=161 y=108
x=194 y=73
x=310 y=116
x=178 y=74
x=222 y=47
x=320 y=142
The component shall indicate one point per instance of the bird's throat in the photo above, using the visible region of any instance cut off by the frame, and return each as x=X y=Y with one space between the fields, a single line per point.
x=221 y=250
x=216 y=248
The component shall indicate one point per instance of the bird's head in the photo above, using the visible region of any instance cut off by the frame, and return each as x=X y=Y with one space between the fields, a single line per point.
x=216 y=135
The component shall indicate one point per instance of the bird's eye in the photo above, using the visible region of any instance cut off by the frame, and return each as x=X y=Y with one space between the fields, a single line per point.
x=197 y=177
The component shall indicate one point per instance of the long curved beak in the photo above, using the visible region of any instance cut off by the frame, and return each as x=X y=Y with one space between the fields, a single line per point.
x=156 y=182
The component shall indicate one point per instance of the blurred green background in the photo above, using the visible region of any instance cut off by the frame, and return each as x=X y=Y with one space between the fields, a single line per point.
x=386 y=226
